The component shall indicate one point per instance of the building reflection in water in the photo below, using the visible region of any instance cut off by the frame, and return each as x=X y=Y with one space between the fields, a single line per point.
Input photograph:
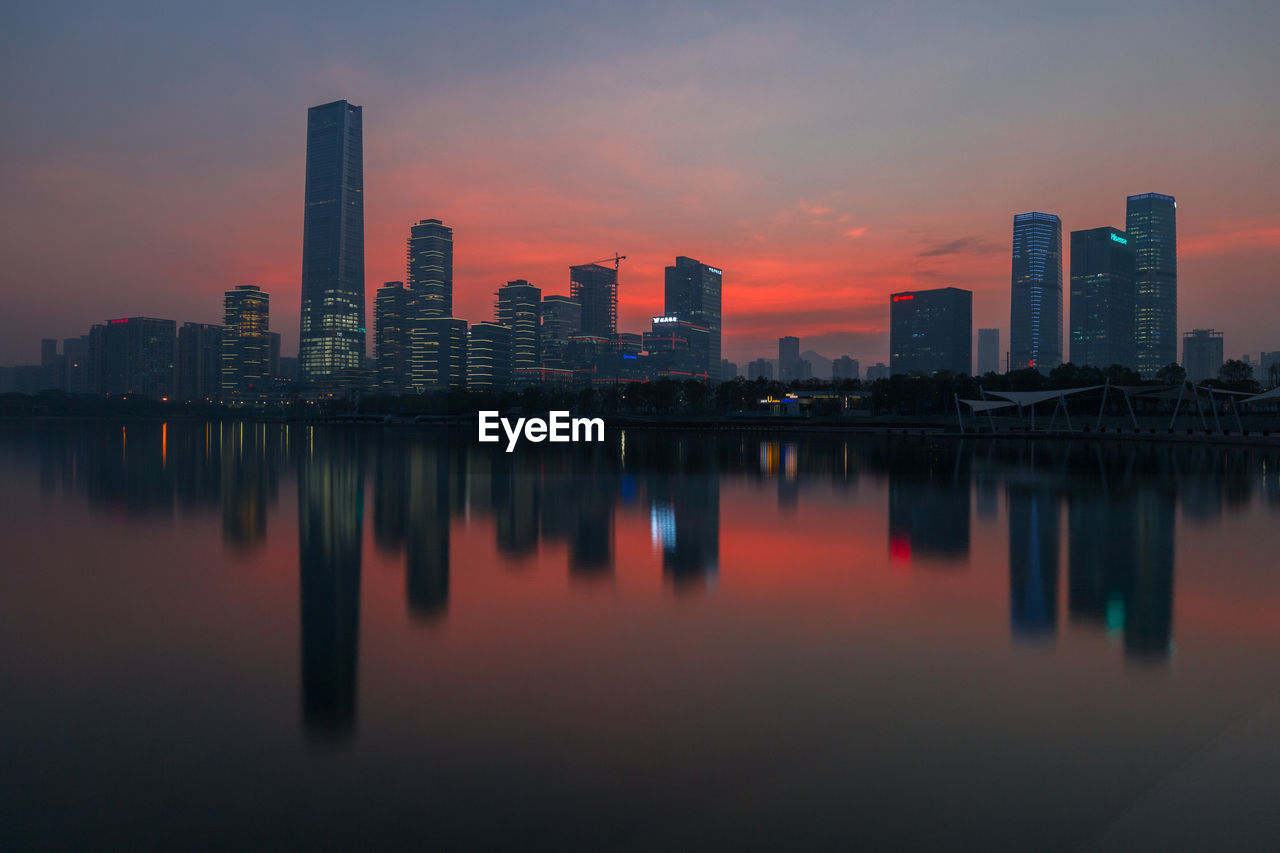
x=1033 y=559
x=1121 y=566
x=248 y=483
x=684 y=521
x=929 y=502
x=330 y=503
x=427 y=555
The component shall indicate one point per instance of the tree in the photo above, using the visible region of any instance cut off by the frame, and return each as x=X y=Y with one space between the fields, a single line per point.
x=1237 y=376
x=1171 y=374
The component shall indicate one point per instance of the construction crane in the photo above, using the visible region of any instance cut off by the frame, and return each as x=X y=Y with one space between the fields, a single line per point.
x=617 y=259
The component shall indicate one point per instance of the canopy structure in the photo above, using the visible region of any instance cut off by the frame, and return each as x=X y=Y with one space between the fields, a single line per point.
x=986 y=405
x=1273 y=394
x=1029 y=398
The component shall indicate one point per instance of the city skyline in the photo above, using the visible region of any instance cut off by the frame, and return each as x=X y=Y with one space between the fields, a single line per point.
x=804 y=208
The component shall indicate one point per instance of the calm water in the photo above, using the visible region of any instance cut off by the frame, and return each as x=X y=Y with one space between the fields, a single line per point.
x=247 y=635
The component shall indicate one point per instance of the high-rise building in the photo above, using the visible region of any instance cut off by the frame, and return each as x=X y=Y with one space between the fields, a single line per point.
x=273 y=362
x=931 y=330
x=488 y=357
x=844 y=368
x=1102 y=298
x=246 y=343
x=199 y=362
x=595 y=288
x=1151 y=224
x=561 y=320
x=136 y=356
x=431 y=268
x=1035 y=328
x=879 y=370
x=391 y=337
x=693 y=294
x=332 y=339
x=1202 y=354
x=519 y=308
x=443 y=354
x=677 y=349
x=52 y=366
x=988 y=351
x=789 y=366
x=728 y=370
x=761 y=368
x=76 y=353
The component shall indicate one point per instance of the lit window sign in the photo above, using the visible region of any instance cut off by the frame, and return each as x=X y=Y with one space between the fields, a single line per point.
x=668 y=319
x=1122 y=241
x=714 y=270
x=903 y=296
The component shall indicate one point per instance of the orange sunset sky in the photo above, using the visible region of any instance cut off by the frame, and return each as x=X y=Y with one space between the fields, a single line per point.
x=823 y=155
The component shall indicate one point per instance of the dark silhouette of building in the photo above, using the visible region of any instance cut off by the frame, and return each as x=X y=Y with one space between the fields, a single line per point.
x=1151 y=224
x=595 y=288
x=789 y=365
x=199 y=362
x=988 y=352
x=1202 y=354
x=761 y=368
x=332 y=337
x=1035 y=324
x=693 y=295
x=1102 y=298
x=137 y=356
x=844 y=368
x=391 y=337
x=931 y=330
x=561 y=320
x=430 y=268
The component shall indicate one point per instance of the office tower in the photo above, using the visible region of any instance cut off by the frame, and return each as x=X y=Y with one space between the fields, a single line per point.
x=879 y=370
x=75 y=351
x=728 y=370
x=1152 y=228
x=488 y=357
x=273 y=361
x=761 y=368
x=246 y=342
x=519 y=308
x=1102 y=299
x=789 y=367
x=391 y=337
x=677 y=349
x=561 y=320
x=199 y=363
x=443 y=353
x=988 y=351
x=52 y=366
x=333 y=329
x=430 y=267
x=844 y=368
x=931 y=330
x=693 y=294
x=137 y=356
x=595 y=288
x=1035 y=328
x=1202 y=354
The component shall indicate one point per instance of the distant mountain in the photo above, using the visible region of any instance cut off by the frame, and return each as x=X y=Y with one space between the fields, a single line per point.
x=820 y=364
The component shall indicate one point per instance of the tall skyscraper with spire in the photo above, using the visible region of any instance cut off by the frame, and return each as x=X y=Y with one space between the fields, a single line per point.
x=1151 y=224
x=332 y=338
x=1035 y=323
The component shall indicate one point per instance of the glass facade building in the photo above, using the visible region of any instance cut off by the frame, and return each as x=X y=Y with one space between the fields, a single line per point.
x=1035 y=323
x=332 y=338
x=1102 y=298
x=391 y=337
x=692 y=292
x=519 y=308
x=1151 y=223
x=246 y=342
x=595 y=288
x=931 y=330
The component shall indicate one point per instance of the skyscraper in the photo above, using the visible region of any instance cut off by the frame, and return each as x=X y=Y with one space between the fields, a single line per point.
x=391 y=337
x=844 y=368
x=1035 y=327
x=596 y=289
x=931 y=330
x=199 y=362
x=988 y=351
x=135 y=355
x=1202 y=354
x=1102 y=295
x=519 y=308
x=333 y=330
x=561 y=320
x=693 y=294
x=789 y=367
x=1152 y=228
x=431 y=268
x=246 y=342
x=488 y=357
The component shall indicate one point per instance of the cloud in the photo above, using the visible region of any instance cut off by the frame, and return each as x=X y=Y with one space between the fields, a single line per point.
x=855 y=233
x=961 y=245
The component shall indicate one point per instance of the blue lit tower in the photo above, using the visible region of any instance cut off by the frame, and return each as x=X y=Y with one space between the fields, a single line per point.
x=1151 y=223
x=332 y=337
x=1035 y=325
